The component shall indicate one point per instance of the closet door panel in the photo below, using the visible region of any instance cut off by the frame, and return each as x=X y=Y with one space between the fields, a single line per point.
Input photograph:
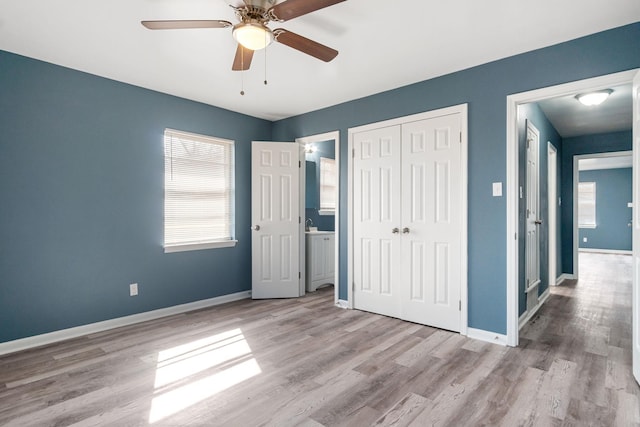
x=431 y=162
x=377 y=201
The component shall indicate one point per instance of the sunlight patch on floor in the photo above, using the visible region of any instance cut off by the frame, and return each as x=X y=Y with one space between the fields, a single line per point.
x=227 y=353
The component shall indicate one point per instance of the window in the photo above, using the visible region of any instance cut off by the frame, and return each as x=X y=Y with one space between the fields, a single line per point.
x=587 y=204
x=328 y=182
x=198 y=192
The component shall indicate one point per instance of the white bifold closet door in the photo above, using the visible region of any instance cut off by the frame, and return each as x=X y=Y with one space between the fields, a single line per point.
x=407 y=221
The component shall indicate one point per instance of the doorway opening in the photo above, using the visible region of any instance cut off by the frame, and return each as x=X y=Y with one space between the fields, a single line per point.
x=514 y=184
x=606 y=177
x=320 y=198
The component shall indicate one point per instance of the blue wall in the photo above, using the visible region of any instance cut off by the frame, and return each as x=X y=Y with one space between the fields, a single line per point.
x=533 y=114
x=323 y=149
x=81 y=182
x=485 y=89
x=613 y=192
x=588 y=144
x=82 y=188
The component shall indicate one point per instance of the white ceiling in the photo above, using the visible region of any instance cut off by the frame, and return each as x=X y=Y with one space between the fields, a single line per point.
x=571 y=118
x=383 y=44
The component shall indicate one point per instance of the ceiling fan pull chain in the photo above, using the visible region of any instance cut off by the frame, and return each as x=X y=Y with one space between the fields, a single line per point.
x=265 y=66
x=242 y=72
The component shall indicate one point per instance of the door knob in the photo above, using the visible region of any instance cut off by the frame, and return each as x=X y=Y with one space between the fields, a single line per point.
x=256 y=228
x=405 y=230
x=396 y=230
x=538 y=222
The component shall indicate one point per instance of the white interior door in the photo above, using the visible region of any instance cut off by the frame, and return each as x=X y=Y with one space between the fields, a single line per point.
x=552 y=179
x=275 y=218
x=431 y=218
x=636 y=227
x=377 y=221
x=532 y=246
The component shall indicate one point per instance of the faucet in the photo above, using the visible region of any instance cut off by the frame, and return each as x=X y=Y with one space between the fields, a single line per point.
x=308 y=223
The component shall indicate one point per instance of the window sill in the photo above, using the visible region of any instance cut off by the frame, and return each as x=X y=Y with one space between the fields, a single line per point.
x=199 y=246
x=326 y=212
x=587 y=226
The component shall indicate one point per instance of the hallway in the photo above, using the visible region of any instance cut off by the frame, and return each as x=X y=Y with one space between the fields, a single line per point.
x=587 y=325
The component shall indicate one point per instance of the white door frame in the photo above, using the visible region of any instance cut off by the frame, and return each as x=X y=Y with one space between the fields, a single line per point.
x=552 y=203
x=335 y=136
x=457 y=109
x=576 y=180
x=601 y=82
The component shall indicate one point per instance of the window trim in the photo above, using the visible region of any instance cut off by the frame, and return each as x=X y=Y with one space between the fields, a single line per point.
x=325 y=210
x=595 y=222
x=205 y=244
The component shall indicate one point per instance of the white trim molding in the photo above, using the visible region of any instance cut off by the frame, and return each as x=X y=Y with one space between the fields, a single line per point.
x=92 y=328
x=487 y=336
x=526 y=316
x=513 y=101
x=606 y=251
x=563 y=277
x=342 y=304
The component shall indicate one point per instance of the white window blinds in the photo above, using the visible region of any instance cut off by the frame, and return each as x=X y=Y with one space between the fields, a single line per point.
x=587 y=204
x=328 y=182
x=199 y=191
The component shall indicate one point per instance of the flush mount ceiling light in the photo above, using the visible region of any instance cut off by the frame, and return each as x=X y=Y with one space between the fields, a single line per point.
x=594 y=98
x=253 y=35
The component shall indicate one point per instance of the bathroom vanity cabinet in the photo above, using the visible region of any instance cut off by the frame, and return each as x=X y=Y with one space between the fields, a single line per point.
x=320 y=259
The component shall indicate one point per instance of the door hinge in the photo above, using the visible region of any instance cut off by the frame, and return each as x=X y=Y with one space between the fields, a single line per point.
x=299 y=220
x=299 y=275
x=299 y=163
x=515 y=235
x=460 y=138
x=353 y=152
x=459 y=305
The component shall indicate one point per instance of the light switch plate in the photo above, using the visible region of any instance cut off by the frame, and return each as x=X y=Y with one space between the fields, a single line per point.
x=630 y=205
x=497 y=189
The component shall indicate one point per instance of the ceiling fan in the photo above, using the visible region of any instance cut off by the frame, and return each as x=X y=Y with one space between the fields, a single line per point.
x=252 y=33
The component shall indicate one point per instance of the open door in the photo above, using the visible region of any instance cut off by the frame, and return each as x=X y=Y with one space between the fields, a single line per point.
x=533 y=220
x=275 y=220
x=636 y=227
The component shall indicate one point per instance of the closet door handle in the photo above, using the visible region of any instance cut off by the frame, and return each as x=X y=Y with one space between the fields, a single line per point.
x=396 y=230
x=256 y=228
x=405 y=230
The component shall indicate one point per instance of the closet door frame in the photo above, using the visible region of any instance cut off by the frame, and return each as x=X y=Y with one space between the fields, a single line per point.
x=457 y=109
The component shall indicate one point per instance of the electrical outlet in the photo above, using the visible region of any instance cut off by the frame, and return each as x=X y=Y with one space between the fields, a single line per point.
x=133 y=289
x=584 y=239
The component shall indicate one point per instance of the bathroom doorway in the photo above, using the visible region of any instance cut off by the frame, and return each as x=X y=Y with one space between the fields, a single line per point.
x=320 y=202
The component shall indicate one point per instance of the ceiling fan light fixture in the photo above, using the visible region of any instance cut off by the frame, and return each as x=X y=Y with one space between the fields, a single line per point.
x=253 y=35
x=594 y=98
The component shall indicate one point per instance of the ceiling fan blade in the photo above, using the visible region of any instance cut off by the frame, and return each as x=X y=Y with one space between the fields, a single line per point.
x=179 y=25
x=243 y=58
x=305 y=45
x=290 y=9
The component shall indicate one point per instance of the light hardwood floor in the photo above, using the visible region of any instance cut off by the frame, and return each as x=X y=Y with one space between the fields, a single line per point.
x=305 y=362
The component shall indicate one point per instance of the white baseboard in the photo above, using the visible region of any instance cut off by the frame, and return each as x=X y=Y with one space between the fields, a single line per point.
x=526 y=316
x=563 y=277
x=487 y=336
x=606 y=251
x=92 y=328
x=342 y=303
